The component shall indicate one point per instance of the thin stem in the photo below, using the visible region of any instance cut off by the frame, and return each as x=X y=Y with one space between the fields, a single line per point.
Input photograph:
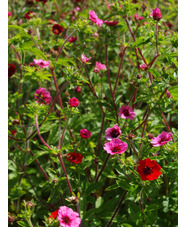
x=59 y=141
x=156 y=35
x=57 y=89
x=120 y=66
x=133 y=147
x=108 y=75
x=37 y=127
x=40 y=167
x=64 y=130
x=99 y=143
x=102 y=168
x=117 y=209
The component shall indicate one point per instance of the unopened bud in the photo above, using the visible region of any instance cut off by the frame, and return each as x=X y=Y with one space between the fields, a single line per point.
x=131 y=136
x=15 y=122
x=74 y=199
x=30 y=31
x=150 y=136
x=139 y=76
x=58 y=113
x=29 y=204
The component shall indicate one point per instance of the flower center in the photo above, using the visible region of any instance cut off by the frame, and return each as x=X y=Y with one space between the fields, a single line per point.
x=147 y=170
x=126 y=113
x=116 y=149
x=114 y=133
x=66 y=219
x=163 y=139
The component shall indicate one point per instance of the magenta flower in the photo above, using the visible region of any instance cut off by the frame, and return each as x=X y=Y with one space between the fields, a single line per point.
x=168 y=94
x=161 y=139
x=72 y=39
x=85 y=134
x=78 y=89
x=73 y=102
x=113 y=133
x=75 y=10
x=127 y=112
x=136 y=17
x=84 y=58
x=98 y=67
x=9 y=14
x=68 y=218
x=95 y=35
x=143 y=67
x=156 y=13
x=111 y=23
x=115 y=146
x=42 y=96
x=41 y=63
x=94 y=18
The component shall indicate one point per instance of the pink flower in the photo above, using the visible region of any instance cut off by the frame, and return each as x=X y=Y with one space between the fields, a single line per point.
x=168 y=94
x=112 y=133
x=99 y=22
x=85 y=134
x=98 y=67
x=72 y=39
x=136 y=17
x=73 y=102
x=78 y=89
x=84 y=58
x=143 y=67
x=42 y=96
x=115 y=146
x=75 y=10
x=50 y=21
x=41 y=63
x=95 y=35
x=156 y=13
x=111 y=23
x=94 y=18
x=161 y=139
x=127 y=112
x=9 y=14
x=68 y=218
x=108 y=5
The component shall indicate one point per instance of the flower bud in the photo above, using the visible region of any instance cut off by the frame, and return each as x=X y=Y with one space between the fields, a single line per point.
x=29 y=204
x=74 y=199
x=15 y=122
x=131 y=136
x=139 y=76
x=30 y=31
x=150 y=136
x=58 y=113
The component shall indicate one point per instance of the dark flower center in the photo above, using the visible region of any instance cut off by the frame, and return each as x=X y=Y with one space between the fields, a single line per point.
x=66 y=219
x=147 y=170
x=163 y=139
x=126 y=112
x=74 y=158
x=116 y=149
x=114 y=133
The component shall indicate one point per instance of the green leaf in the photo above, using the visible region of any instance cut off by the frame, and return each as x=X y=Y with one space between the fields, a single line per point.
x=141 y=41
x=35 y=51
x=99 y=202
x=155 y=73
x=23 y=224
x=174 y=62
x=91 y=188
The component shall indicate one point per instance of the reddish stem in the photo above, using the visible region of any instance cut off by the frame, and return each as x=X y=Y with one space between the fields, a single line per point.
x=102 y=168
x=37 y=127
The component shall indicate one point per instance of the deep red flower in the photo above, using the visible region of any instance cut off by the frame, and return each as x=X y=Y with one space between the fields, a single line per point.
x=111 y=23
x=11 y=70
x=43 y=1
x=29 y=15
x=75 y=157
x=57 y=29
x=85 y=134
x=54 y=214
x=148 y=169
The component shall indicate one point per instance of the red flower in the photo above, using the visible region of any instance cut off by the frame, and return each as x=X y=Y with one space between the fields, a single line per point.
x=11 y=70
x=43 y=1
x=73 y=102
x=13 y=132
x=75 y=157
x=148 y=169
x=29 y=15
x=57 y=29
x=54 y=214
x=85 y=134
